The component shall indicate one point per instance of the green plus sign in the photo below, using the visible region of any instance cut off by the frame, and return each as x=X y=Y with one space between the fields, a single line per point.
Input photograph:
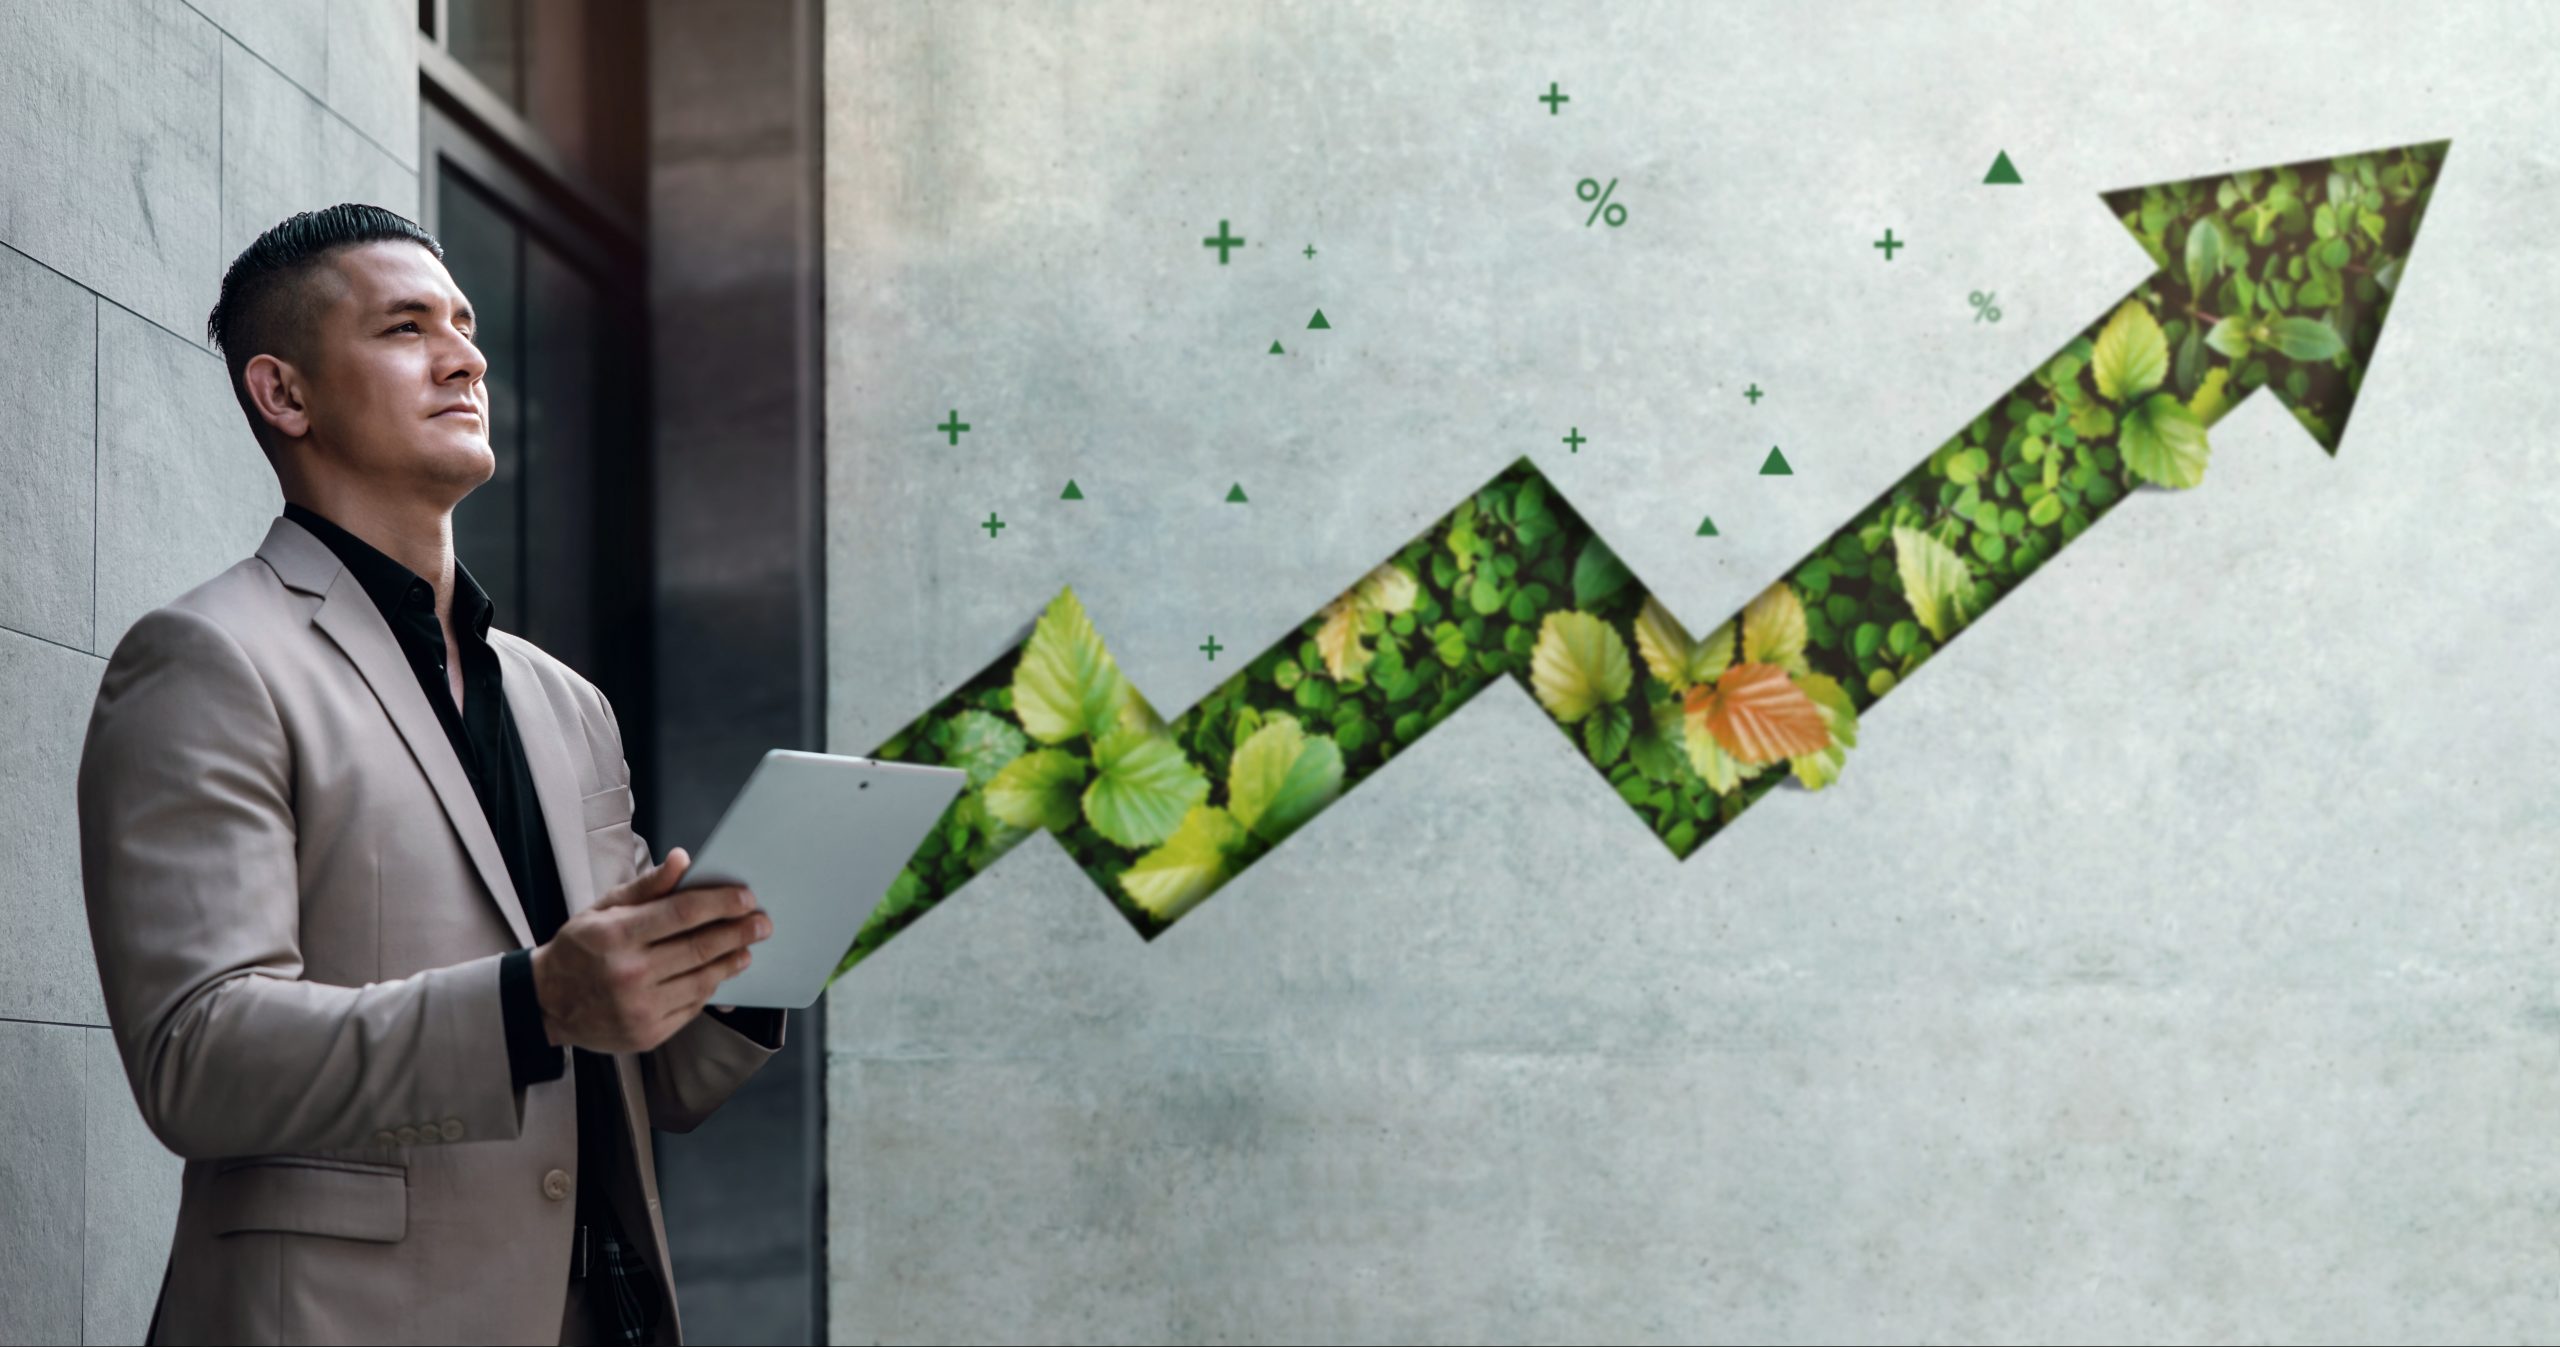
x=1889 y=243
x=1311 y=252
x=1222 y=242
x=992 y=525
x=1576 y=439
x=1551 y=98
x=1753 y=393
x=1213 y=648
x=954 y=426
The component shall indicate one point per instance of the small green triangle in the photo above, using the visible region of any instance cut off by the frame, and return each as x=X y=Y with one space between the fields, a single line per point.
x=1775 y=465
x=2002 y=170
x=1071 y=493
x=1707 y=527
x=1235 y=494
x=1318 y=322
x=1275 y=349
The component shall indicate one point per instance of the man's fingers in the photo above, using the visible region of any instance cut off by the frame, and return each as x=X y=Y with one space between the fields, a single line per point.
x=654 y=882
x=709 y=943
x=687 y=908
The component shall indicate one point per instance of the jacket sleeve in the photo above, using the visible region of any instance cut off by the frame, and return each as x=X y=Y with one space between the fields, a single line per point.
x=188 y=865
x=691 y=1074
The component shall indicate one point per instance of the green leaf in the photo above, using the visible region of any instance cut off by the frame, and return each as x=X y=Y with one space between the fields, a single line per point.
x=2306 y=338
x=2204 y=254
x=1173 y=878
x=2132 y=355
x=2048 y=508
x=981 y=744
x=1820 y=769
x=1967 y=467
x=1066 y=686
x=1282 y=777
x=1597 y=574
x=1933 y=576
x=2230 y=337
x=2164 y=442
x=1580 y=665
x=1651 y=747
x=1142 y=787
x=1606 y=733
x=1038 y=790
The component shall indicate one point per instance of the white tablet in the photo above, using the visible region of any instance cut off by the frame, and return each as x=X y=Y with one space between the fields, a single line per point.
x=818 y=838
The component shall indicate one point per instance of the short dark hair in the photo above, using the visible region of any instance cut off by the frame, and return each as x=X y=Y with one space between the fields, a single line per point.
x=269 y=302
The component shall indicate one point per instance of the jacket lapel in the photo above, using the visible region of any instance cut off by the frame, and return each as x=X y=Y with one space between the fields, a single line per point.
x=555 y=781
x=347 y=614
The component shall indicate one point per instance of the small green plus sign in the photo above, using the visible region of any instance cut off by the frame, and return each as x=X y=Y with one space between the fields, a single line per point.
x=1311 y=252
x=954 y=426
x=1889 y=243
x=1551 y=98
x=1222 y=241
x=1213 y=648
x=1576 y=439
x=1753 y=393
x=992 y=525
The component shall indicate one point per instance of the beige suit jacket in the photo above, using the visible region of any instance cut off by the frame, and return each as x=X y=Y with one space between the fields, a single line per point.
x=298 y=909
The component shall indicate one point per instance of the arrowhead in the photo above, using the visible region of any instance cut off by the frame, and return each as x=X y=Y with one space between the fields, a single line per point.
x=2297 y=275
x=2002 y=170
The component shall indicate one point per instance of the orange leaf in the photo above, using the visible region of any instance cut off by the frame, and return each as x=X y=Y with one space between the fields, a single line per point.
x=1759 y=715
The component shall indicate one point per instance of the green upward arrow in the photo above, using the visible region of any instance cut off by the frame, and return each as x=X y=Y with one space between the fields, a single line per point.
x=2277 y=278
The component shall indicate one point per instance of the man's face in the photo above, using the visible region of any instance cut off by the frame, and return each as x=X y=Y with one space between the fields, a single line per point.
x=395 y=383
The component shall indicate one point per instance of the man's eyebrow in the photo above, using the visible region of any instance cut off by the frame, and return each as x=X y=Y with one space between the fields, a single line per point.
x=413 y=304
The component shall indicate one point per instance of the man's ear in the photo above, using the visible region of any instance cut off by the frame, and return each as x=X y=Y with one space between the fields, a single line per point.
x=276 y=390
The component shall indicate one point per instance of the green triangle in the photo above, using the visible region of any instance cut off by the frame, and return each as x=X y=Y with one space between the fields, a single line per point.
x=1775 y=465
x=1235 y=494
x=1275 y=349
x=1707 y=527
x=1071 y=493
x=1318 y=322
x=2002 y=170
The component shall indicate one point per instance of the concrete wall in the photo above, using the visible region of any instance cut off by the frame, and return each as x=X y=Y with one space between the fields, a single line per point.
x=142 y=144
x=2171 y=961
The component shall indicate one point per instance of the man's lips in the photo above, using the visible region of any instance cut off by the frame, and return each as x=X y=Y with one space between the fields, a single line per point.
x=472 y=412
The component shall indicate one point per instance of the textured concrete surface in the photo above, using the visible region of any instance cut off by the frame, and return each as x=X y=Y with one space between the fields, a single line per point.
x=48 y=520
x=2173 y=960
x=46 y=969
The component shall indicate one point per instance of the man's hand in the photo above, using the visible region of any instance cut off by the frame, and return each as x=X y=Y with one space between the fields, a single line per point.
x=627 y=973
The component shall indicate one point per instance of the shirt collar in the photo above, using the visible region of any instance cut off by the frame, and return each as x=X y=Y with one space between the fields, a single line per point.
x=391 y=585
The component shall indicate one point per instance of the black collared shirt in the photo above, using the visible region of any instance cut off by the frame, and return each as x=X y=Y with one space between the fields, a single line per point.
x=482 y=732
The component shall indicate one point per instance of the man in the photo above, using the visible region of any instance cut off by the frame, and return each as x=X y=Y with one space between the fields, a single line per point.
x=384 y=958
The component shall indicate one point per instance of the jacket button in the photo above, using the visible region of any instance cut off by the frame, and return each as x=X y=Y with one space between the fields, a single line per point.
x=408 y=1136
x=385 y=1140
x=452 y=1129
x=555 y=1185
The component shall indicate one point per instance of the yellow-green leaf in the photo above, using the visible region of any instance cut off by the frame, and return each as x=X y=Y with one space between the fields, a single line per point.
x=1579 y=665
x=1038 y=790
x=1142 y=786
x=2132 y=354
x=1773 y=628
x=2164 y=442
x=1388 y=589
x=1066 y=685
x=1933 y=578
x=1338 y=640
x=1281 y=777
x=1671 y=655
x=1192 y=863
x=2210 y=402
x=1822 y=767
